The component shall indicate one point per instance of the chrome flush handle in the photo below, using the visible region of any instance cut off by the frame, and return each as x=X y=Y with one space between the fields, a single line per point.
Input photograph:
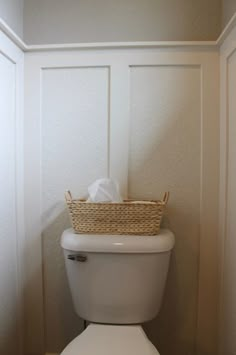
x=77 y=257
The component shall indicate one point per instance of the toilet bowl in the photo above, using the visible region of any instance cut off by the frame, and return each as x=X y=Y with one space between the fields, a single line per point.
x=99 y=339
x=117 y=283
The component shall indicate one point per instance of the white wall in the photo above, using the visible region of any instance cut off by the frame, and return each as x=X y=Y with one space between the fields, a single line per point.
x=11 y=204
x=150 y=119
x=11 y=11
x=228 y=195
x=67 y=21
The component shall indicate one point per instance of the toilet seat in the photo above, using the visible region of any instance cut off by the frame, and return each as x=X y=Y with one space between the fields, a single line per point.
x=98 y=339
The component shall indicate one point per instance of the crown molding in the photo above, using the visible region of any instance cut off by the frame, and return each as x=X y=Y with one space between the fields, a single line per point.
x=226 y=31
x=120 y=45
x=117 y=45
x=12 y=35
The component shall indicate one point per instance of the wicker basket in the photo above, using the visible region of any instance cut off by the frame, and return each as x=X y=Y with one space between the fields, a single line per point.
x=128 y=217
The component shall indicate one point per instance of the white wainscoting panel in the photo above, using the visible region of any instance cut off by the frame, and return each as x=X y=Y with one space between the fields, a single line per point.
x=8 y=290
x=165 y=155
x=11 y=191
x=149 y=118
x=74 y=142
x=228 y=196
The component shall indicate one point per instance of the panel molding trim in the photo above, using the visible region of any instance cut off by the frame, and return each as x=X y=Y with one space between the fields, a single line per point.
x=226 y=54
x=15 y=55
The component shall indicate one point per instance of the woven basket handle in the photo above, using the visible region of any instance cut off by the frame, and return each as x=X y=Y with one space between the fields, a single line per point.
x=68 y=196
x=166 y=197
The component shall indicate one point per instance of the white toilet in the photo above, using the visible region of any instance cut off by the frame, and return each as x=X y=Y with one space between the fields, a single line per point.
x=117 y=283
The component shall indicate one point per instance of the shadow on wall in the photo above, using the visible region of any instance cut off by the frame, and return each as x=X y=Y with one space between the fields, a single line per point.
x=7 y=345
x=62 y=323
x=168 y=331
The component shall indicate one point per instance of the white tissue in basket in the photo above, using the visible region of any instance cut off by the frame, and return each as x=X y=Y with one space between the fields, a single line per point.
x=104 y=190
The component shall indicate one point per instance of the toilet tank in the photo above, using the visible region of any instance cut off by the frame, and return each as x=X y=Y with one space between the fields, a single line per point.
x=117 y=279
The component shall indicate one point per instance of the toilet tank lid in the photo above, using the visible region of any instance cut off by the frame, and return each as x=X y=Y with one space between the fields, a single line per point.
x=100 y=243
